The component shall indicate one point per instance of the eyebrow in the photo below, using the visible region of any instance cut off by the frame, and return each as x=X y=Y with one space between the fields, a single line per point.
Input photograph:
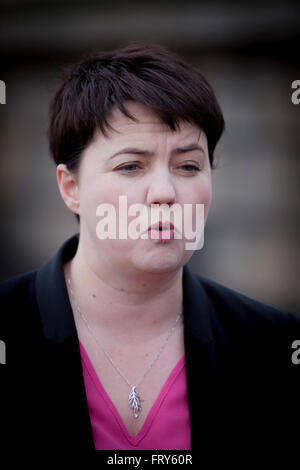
x=178 y=150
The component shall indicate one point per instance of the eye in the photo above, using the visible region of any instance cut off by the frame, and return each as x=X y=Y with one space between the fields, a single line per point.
x=191 y=168
x=132 y=168
x=128 y=168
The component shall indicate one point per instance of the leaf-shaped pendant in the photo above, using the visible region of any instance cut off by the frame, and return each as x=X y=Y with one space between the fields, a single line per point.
x=134 y=402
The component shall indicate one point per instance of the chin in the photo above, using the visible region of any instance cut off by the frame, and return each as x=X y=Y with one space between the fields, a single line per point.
x=162 y=264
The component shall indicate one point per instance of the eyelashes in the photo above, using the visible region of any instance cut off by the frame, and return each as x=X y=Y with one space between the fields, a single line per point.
x=126 y=168
x=193 y=167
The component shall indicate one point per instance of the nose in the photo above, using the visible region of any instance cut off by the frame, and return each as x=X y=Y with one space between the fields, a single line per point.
x=161 y=189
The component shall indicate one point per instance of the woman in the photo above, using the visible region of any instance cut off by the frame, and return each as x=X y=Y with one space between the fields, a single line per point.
x=125 y=347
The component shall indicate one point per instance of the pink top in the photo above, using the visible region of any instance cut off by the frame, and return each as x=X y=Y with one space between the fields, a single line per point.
x=166 y=427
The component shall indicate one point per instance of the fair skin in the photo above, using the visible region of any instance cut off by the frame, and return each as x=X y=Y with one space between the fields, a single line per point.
x=138 y=281
x=131 y=290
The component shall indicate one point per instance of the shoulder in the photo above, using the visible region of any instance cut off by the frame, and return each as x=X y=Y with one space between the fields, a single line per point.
x=231 y=307
x=249 y=336
x=18 y=305
x=16 y=288
x=10 y=283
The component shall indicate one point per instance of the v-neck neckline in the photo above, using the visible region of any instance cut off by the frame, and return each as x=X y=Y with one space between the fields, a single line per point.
x=133 y=440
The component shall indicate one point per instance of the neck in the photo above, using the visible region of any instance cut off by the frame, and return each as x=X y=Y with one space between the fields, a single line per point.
x=131 y=303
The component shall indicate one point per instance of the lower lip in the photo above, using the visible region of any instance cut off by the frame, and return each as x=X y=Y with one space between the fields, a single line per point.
x=163 y=235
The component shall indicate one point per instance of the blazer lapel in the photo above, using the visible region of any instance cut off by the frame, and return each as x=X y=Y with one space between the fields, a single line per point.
x=64 y=382
x=201 y=367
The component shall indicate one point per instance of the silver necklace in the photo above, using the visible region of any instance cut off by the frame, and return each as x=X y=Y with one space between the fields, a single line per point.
x=134 y=399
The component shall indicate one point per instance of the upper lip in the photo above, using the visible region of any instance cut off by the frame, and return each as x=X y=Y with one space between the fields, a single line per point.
x=167 y=225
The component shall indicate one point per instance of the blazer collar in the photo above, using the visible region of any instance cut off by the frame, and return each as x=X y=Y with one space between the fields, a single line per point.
x=52 y=295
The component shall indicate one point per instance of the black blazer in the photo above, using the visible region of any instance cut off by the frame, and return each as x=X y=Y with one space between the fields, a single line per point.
x=243 y=388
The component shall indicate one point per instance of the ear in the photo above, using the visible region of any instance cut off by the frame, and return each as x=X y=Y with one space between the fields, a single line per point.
x=68 y=187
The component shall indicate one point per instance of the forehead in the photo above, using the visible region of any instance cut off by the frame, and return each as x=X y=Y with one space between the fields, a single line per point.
x=146 y=123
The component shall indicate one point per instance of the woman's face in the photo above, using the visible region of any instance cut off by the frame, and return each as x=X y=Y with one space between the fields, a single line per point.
x=153 y=173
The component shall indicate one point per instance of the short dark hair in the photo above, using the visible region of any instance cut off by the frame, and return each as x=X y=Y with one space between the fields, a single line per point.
x=150 y=74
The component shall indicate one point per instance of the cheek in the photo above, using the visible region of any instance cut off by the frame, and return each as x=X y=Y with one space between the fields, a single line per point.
x=97 y=192
x=206 y=198
x=200 y=193
x=104 y=191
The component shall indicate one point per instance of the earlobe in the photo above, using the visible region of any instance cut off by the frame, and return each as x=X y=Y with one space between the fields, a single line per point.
x=68 y=187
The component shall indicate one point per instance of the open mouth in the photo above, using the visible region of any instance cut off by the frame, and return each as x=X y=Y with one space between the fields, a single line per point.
x=163 y=232
x=162 y=226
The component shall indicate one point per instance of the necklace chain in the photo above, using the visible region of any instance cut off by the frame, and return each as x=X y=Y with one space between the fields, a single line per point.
x=134 y=399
